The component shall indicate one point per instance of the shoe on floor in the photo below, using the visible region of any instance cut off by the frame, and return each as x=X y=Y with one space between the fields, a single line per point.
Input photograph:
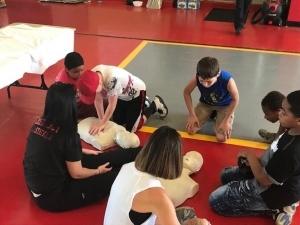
x=185 y=213
x=267 y=136
x=3 y=5
x=284 y=216
x=161 y=107
x=238 y=31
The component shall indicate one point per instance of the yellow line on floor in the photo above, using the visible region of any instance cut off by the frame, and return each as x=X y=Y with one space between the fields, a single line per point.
x=227 y=48
x=201 y=137
x=133 y=54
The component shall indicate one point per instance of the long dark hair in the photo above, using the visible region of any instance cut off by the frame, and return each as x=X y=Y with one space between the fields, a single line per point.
x=61 y=111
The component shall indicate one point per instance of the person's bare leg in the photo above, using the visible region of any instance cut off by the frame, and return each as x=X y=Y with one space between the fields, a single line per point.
x=221 y=137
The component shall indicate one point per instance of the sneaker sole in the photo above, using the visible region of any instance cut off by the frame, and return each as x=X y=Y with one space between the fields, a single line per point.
x=185 y=213
x=158 y=110
x=283 y=219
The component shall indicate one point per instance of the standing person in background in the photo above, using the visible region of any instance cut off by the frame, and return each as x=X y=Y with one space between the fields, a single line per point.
x=241 y=13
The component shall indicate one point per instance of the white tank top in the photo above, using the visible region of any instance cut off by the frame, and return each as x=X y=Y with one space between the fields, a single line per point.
x=128 y=183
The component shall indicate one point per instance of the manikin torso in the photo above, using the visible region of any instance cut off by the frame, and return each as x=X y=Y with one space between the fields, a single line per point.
x=113 y=135
x=184 y=187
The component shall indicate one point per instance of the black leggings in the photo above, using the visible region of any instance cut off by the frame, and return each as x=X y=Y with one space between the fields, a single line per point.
x=75 y=193
x=130 y=112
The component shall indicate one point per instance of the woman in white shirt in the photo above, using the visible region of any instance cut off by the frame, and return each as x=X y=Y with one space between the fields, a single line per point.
x=137 y=196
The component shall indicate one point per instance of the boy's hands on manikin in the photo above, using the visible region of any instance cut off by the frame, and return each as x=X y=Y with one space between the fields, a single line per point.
x=97 y=128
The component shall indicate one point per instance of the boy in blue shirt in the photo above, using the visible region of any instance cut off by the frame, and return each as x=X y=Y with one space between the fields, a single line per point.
x=274 y=189
x=218 y=93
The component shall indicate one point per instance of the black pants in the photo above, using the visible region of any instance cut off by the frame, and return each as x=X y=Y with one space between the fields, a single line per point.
x=241 y=13
x=130 y=112
x=76 y=193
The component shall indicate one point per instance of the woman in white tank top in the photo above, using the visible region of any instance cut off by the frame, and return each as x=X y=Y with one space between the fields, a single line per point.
x=137 y=196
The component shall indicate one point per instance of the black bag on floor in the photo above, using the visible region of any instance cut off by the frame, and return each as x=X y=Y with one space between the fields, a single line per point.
x=129 y=2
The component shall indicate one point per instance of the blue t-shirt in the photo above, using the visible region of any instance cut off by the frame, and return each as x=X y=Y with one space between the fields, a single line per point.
x=217 y=94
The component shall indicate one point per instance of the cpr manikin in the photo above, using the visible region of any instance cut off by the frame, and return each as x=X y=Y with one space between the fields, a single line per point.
x=113 y=135
x=184 y=187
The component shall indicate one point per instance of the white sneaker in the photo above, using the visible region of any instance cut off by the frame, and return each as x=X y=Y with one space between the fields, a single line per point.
x=284 y=216
x=161 y=107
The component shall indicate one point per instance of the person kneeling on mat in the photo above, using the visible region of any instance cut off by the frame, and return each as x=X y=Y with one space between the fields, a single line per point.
x=126 y=95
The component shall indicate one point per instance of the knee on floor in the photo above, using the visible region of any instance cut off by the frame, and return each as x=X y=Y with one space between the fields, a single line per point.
x=221 y=137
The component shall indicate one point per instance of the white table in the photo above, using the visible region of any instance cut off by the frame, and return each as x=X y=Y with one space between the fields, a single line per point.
x=31 y=48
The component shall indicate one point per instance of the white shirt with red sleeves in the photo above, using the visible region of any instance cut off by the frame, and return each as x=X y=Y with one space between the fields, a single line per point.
x=119 y=82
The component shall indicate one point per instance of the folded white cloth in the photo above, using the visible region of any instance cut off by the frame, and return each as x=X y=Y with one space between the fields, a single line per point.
x=31 y=48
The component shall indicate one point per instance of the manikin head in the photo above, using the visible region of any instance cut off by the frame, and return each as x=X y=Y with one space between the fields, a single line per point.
x=193 y=161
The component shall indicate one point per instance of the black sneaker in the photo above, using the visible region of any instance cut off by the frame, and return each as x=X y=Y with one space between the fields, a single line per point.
x=161 y=107
x=238 y=31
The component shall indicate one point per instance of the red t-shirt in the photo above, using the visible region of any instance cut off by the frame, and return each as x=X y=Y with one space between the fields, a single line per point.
x=65 y=78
